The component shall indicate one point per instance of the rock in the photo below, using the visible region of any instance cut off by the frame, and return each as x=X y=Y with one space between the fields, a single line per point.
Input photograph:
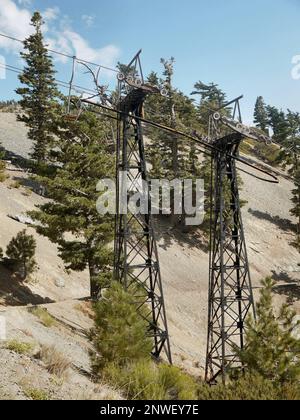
x=22 y=218
x=60 y=283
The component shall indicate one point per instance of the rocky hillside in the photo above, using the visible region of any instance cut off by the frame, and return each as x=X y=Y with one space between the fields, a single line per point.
x=269 y=232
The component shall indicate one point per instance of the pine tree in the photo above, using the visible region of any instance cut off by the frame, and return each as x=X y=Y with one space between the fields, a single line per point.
x=261 y=114
x=272 y=349
x=119 y=334
x=211 y=98
x=277 y=121
x=71 y=219
x=21 y=250
x=171 y=157
x=295 y=211
x=290 y=158
x=39 y=92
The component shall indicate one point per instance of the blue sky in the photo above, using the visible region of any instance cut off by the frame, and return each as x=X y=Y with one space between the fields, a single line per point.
x=246 y=47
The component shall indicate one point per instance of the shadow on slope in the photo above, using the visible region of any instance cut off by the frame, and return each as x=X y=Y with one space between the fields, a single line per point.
x=191 y=238
x=284 y=224
x=291 y=288
x=16 y=159
x=14 y=292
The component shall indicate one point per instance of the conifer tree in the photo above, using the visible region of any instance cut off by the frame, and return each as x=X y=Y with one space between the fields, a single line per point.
x=21 y=250
x=261 y=114
x=71 y=219
x=119 y=334
x=277 y=121
x=171 y=157
x=295 y=211
x=272 y=349
x=211 y=98
x=38 y=92
x=290 y=159
x=169 y=154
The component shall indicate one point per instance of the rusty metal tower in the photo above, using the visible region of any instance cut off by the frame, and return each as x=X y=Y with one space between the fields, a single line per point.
x=136 y=263
x=230 y=288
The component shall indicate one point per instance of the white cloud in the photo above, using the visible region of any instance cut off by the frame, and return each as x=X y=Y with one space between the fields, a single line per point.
x=52 y=13
x=15 y=22
x=105 y=56
x=15 y=19
x=88 y=20
x=25 y=3
x=58 y=42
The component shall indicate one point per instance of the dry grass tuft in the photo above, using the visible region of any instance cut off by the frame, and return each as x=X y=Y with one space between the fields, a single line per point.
x=56 y=363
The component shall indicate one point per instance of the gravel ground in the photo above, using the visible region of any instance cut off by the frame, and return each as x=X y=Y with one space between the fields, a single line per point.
x=13 y=135
x=20 y=374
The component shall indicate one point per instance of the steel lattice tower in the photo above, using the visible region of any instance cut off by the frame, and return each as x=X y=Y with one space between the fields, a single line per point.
x=230 y=288
x=136 y=257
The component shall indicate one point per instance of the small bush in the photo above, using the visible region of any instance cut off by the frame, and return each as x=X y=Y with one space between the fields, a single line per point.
x=249 y=388
x=46 y=319
x=177 y=384
x=19 y=347
x=120 y=332
x=273 y=349
x=56 y=363
x=27 y=192
x=16 y=185
x=36 y=394
x=3 y=175
x=122 y=356
x=268 y=153
x=146 y=380
x=21 y=250
x=137 y=381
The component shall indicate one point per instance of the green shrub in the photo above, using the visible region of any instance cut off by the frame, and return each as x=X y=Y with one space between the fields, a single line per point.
x=122 y=353
x=269 y=153
x=272 y=351
x=119 y=335
x=3 y=175
x=137 y=381
x=19 y=347
x=146 y=380
x=16 y=185
x=178 y=385
x=46 y=319
x=289 y=392
x=27 y=192
x=21 y=250
x=36 y=394
x=249 y=388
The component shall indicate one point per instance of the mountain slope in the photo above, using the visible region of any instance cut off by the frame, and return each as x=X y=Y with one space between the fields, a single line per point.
x=184 y=263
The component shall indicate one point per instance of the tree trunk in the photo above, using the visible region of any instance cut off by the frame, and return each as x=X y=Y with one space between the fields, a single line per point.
x=24 y=273
x=95 y=289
